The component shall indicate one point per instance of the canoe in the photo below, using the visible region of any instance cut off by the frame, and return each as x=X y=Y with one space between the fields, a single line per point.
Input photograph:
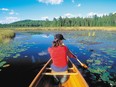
x=45 y=77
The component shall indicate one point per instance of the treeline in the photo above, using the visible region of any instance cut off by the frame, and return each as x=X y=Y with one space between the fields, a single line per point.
x=106 y=20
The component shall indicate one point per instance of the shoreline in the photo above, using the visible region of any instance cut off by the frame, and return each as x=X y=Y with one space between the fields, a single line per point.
x=109 y=28
x=6 y=35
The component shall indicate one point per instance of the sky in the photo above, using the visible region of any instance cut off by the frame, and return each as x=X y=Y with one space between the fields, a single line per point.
x=16 y=10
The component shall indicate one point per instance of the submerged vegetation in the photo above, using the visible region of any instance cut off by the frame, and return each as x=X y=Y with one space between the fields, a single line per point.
x=100 y=50
x=13 y=49
x=6 y=35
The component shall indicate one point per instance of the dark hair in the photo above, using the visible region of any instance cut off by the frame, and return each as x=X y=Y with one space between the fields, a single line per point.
x=56 y=43
x=57 y=39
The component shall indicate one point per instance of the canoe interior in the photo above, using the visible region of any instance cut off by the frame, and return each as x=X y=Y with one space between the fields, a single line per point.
x=74 y=80
x=48 y=80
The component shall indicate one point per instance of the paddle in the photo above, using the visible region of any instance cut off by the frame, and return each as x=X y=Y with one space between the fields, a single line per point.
x=82 y=64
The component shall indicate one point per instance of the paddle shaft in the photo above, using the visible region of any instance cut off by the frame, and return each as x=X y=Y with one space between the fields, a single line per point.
x=83 y=65
x=79 y=61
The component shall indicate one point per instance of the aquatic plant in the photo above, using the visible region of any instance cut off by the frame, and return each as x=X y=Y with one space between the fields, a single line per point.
x=89 y=61
x=17 y=55
x=89 y=42
x=109 y=51
x=6 y=65
x=2 y=63
x=106 y=77
x=101 y=66
x=97 y=62
x=13 y=49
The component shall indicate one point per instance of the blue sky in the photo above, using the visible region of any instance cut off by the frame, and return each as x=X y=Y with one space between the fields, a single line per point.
x=15 y=10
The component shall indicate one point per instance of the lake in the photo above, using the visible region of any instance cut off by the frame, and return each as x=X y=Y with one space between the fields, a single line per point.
x=22 y=57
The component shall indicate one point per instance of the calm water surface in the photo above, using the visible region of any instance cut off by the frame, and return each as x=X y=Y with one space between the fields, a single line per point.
x=22 y=57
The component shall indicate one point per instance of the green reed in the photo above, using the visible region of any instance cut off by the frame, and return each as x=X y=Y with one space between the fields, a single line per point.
x=6 y=34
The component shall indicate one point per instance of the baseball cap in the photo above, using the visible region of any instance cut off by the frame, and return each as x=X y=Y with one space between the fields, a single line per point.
x=59 y=37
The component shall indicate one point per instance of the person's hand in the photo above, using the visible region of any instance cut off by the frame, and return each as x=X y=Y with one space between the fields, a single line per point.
x=62 y=43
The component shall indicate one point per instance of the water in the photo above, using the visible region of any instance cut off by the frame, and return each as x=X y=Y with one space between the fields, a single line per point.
x=23 y=56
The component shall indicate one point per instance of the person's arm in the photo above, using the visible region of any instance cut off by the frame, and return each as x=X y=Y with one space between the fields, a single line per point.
x=70 y=54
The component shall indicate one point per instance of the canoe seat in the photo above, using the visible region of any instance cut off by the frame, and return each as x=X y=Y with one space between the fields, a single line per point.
x=60 y=73
x=48 y=68
x=51 y=69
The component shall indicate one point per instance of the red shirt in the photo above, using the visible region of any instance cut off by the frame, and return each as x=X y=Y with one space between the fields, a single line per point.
x=59 y=55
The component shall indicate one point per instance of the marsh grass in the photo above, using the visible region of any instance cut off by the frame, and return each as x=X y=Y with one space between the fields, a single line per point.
x=6 y=35
x=108 y=28
x=66 y=28
x=10 y=32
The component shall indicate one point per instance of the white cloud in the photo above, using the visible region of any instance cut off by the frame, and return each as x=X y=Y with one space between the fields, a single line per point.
x=91 y=14
x=51 y=1
x=56 y=17
x=114 y=12
x=78 y=5
x=11 y=12
x=69 y=15
x=79 y=15
x=9 y=20
x=73 y=1
x=4 y=9
x=44 y=18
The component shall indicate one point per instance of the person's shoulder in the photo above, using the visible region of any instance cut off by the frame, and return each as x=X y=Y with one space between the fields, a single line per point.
x=65 y=46
x=49 y=48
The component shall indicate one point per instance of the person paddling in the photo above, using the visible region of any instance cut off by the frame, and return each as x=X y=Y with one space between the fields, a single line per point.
x=59 y=53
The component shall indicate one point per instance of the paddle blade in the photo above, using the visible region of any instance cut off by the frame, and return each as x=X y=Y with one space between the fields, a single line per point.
x=85 y=66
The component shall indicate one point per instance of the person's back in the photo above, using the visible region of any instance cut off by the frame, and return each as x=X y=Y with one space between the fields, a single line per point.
x=59 y=53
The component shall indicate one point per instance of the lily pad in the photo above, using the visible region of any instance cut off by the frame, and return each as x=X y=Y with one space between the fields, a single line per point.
x=17 y=55
x=89 y=61
x=6 y=65
x=106 y=77
x=98 y=62
x=2 y=63
x=97 y=69
x=1 y=59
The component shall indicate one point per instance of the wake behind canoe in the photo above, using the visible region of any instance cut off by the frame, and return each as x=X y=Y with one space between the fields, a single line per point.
x=45 y=77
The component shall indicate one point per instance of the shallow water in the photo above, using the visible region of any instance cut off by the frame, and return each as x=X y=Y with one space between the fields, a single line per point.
x=23 y=56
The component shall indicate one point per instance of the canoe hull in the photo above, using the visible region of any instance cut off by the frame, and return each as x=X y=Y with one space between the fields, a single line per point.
x=45 y=77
